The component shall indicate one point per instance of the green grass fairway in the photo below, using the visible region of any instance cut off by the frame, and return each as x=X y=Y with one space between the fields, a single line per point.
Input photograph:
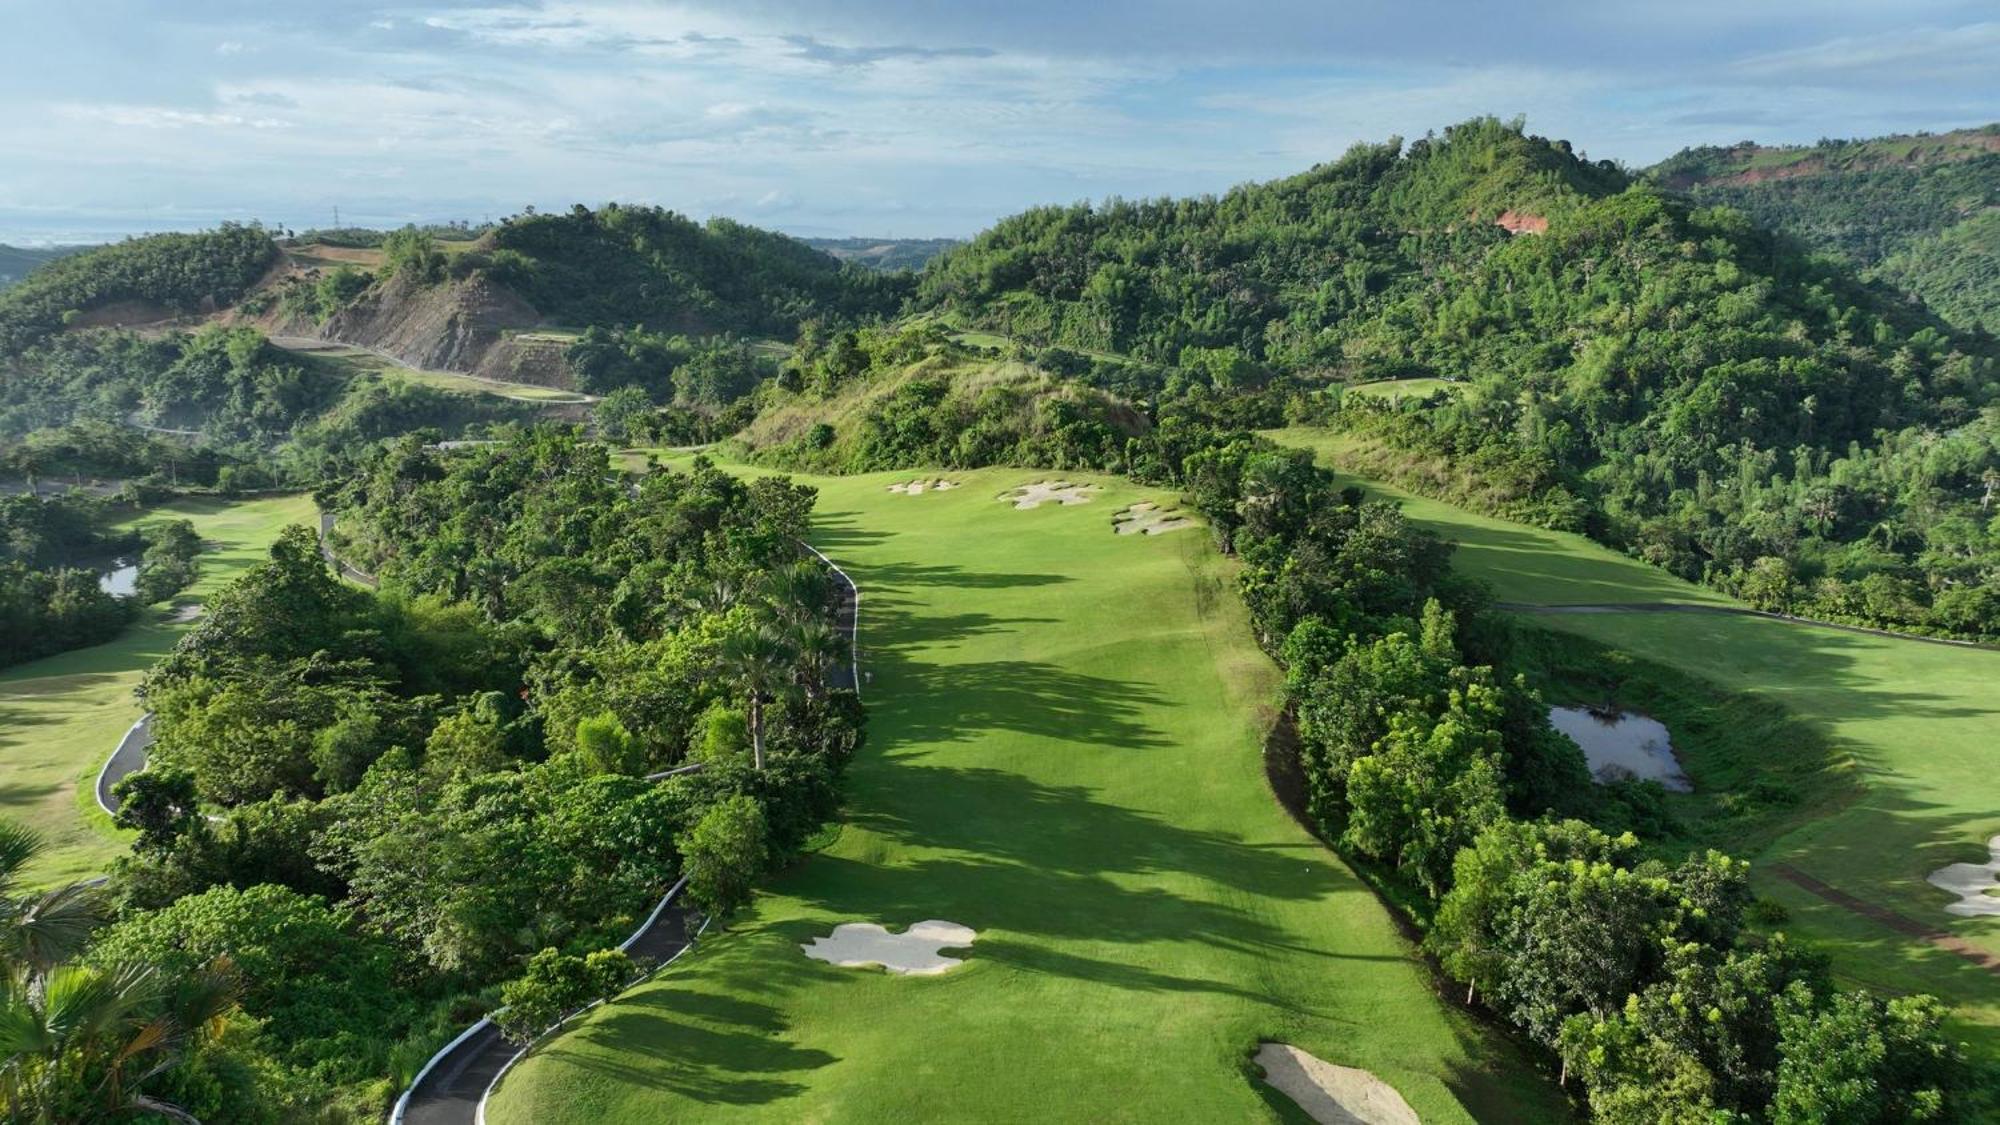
x=1525 y=564
x=1064 y=754
x=1922 y=722
x=60 y=717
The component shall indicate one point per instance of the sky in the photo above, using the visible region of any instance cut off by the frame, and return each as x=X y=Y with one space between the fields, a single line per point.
x=911 y=118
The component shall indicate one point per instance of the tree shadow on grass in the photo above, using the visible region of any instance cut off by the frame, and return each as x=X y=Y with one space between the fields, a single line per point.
x=700 y=1045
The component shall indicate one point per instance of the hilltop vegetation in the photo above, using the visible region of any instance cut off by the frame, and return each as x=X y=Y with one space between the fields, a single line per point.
x=17 y=261
x=621 y=266
x=1669 y=378
x=177 y=273
x=1918 y=212
x=888 y=397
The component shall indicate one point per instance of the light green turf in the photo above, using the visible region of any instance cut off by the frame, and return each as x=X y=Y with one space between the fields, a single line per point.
x=1064 y=754
x=1524 y=564
x=1397 y=389
x=1922 y=722
x=61 y=717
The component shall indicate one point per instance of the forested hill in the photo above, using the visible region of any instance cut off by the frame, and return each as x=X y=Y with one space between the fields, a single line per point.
x=165 y=274
x=1673 y=379
x=619 y=266
x=1277 y=270
x=16 y=261
x=1922 y=212
x=883 y=253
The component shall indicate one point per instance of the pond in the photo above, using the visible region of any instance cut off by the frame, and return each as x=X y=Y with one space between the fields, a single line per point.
x=1623 y=744
x=120 y=578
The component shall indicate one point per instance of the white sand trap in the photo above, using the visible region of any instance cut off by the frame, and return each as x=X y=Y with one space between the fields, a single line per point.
x=914 y=952
x=917 y=487
x=1333 y=1095
x=1971 y=882
x=1048 y=491
x=1146 y=518
x=184 y=614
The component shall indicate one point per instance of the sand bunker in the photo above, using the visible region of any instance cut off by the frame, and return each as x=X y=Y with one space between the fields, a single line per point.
x=1146 y=518
x=918 y=487
x=914 y=952
x=1333 y=1095
x=184 y=614
x=1048 y=491
x=1971 y=882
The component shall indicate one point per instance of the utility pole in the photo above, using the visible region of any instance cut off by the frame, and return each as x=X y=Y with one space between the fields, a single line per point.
x=336 y=216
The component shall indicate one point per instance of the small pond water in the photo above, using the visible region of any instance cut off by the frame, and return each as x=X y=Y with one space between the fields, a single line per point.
x=119 y=579
x=1623 y=745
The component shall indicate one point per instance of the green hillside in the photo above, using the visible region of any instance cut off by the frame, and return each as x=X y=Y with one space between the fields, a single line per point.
x=1670 y=379
x=1914 y=211
x=16 y=261
x=883 y=253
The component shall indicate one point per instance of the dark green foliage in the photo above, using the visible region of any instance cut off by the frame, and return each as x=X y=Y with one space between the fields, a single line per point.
x=653 y=268
x=329 y=996
x=725 y=850
x=179 y=273
x=1917 y=212
x=43 y=612
x=168 y=565
x=555 y=984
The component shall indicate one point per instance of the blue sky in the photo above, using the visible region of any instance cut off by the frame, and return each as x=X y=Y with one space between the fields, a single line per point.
x=906 y=117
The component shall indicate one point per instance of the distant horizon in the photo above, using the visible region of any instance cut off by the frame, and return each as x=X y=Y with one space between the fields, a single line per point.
x=875 y=116
x=17 y=229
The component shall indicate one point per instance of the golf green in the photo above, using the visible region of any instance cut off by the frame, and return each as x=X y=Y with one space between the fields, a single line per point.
x=1064 y=755
x=60 y=717
x=1920 y=721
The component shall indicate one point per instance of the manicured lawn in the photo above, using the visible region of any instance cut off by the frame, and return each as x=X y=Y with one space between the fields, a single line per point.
x=1064 y=754
x=1524 y=564
x=60 y=717
x=1921 y=721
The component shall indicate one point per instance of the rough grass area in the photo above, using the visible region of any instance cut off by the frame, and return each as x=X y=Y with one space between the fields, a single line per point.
x=1064 y=754
x=60 y=717
x=1919 y=721
x=1395 y=390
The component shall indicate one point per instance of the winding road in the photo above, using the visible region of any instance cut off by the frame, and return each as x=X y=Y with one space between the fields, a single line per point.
x=451 y=1088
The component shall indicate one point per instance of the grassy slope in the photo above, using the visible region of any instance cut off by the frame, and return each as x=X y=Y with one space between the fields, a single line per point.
x=60 y=717
x=1920 y=720
x=1064 y=755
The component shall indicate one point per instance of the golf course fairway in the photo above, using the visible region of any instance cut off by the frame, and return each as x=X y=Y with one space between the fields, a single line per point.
x=1920 y=721
x=61 y=716
x=1063 y=755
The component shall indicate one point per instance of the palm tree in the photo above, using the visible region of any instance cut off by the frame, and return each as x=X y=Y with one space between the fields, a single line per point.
x=761 y=664
x=794 y=593
x=817 y=646
x=78 y=1042
x=39 y=931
